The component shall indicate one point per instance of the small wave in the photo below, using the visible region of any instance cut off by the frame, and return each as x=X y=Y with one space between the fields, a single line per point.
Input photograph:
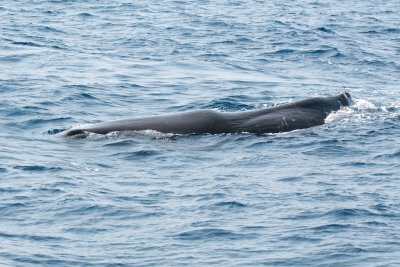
x=225 y=42
x=6 y=208
x=319 y=52
x=86 y=230
x=50 y=191
x=10 y=190
x=85 y=15
x=383 y=208
x=393 y=155
x=81 y=96
x=15 y=58
x=298 y=238
x=358 y=164
x=55 y=131
x=279 y=52
x=213 y=55
x=219 y=23
x=331 y=52
x=230 y=204
x=292 y=179
x=334 y=227
x=27 y=44
x=376 y=224
x=382 y=31
x=333 y=149
x=28 y=110
x=244 y=40
x=210 y=234
x=51 y=12
x=35 y=122
x=83 y=210
x=36 y=168
x=32 y=44
x=137 y=155
x=348 y=249
x=39 y=238
x=378 y=63
x=336 y=213
x=124 y=143
x=347 y=213
x=49 y=29
x=324 y=29
x=129 y=214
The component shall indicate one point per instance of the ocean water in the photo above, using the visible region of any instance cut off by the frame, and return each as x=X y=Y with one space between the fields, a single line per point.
x=324 y=196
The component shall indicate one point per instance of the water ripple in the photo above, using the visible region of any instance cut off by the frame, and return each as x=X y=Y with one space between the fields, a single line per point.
x=39 y=238
x=210 y=234
x=323 y=196
x=37 y=168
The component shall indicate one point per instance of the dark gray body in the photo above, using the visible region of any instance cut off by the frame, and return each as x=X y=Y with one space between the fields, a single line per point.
x=280 y=118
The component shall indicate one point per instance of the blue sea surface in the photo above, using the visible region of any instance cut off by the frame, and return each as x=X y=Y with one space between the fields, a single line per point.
x=323 y=196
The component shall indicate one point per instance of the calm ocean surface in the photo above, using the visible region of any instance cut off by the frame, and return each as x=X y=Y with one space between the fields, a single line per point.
x=324 y=196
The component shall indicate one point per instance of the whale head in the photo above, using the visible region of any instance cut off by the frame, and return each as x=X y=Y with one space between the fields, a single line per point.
x=345 y=99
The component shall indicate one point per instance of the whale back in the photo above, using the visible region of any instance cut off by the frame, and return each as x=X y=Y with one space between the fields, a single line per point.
x=280 y=118
x=291 y=116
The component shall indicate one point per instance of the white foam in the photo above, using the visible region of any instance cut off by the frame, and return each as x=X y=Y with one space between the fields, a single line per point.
x=363 y=104
x=341 y=114
x=150 y=133
x=361 y=110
